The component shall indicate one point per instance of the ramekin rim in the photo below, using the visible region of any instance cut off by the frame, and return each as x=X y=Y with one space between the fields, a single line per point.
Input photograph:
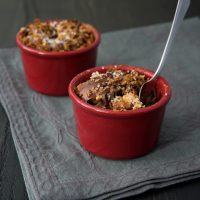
x=106 y=112
x=65 y=53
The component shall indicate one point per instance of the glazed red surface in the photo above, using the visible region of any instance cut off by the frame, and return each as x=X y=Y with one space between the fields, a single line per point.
x=119 y=134
x=51 y=72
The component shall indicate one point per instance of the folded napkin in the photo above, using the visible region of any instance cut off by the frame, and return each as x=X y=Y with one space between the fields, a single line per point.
x=54 y=164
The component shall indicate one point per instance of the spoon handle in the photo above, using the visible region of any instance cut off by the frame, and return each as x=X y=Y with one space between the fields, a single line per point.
x=181 y=10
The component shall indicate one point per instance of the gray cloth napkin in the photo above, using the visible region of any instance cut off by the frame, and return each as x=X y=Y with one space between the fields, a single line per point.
x=53 y=163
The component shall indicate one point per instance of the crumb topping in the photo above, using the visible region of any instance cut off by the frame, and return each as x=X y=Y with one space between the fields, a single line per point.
x=115 y=89
x=58 y=36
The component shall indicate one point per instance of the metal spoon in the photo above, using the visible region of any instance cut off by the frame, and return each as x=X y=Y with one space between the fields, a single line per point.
x=147 y=90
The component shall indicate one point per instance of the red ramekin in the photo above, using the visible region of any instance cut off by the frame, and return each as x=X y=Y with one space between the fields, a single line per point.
x=119 y=134
x=51 y=72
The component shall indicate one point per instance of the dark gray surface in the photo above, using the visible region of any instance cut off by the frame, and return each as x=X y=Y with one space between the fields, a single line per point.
x=106 y=15
x=179 y=133
x=11 y=179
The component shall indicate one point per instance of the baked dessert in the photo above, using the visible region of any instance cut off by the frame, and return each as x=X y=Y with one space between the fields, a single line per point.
x=57 y=36
x=115 y=89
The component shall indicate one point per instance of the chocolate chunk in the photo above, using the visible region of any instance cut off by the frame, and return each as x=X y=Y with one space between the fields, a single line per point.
x=114 y=89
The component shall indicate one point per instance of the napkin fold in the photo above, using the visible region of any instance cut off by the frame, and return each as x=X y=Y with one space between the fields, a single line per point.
x=55 y=165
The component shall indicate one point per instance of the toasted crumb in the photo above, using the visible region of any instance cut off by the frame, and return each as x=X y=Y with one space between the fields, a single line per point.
x=58 y=36
x=115 y=89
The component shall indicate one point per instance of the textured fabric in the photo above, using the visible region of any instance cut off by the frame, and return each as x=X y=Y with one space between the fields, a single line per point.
x=53 y=163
